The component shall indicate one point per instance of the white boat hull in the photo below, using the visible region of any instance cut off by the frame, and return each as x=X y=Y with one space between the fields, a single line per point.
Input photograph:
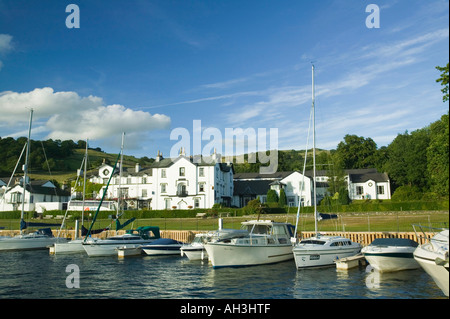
x=162 y=250
x=306 y=258
x=232 y=255
x=129 y=250
x=390 y=259
x=439 y=272
x=73 y=246
x=194 y=252
x=107 y=248
x=26 y=242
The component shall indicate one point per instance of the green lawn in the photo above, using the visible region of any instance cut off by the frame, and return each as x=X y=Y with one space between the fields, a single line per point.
x=347 y=221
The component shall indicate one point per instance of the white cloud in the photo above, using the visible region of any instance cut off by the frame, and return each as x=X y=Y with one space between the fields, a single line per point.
x=66 y=115
x=5 y=45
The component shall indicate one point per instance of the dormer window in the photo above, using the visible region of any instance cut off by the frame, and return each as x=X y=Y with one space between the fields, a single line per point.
x=182 y=171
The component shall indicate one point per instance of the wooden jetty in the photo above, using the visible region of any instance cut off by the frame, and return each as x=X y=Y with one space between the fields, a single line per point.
x=350 y=262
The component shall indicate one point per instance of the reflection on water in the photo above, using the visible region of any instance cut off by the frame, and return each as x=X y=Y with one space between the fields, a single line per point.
x=35 y=274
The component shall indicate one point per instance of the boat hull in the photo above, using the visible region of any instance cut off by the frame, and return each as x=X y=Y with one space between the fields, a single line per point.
x=26 y=242
x=309 y=258
x=162 y=250
x=428 y=261
x=231 y=255
x=129 y=250
x=107 y=248
x=73 y=246
x=194 y=253
x=391 y=259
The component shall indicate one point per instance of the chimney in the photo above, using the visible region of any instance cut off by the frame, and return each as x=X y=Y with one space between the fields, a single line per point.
x=137 y=168
x=159 y=157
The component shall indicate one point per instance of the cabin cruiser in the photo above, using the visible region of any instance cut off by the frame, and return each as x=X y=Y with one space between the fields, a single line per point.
x=320 y=251
x=391 y=254
x=267 y=242
x=432 y=256
x=108 y=247
x=196 y=250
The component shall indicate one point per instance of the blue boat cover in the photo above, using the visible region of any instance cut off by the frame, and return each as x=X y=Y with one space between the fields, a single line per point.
x=165 y=241
x=394 y=242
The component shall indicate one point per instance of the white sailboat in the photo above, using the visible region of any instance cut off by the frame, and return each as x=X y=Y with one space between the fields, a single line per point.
x=109 y=246
x=432 y=256
x=75 y=245
x=40 y=239
x=268 y=242
x=319 y=251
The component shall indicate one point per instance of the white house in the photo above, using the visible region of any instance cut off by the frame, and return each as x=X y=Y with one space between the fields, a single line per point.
x=178 y=183
x=361 y=184
x=40 y=195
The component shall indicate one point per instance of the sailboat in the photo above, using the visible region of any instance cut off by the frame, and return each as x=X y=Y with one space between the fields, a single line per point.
x=109 y=246
x=40 y=239
x=319 y=251
x=75 y=245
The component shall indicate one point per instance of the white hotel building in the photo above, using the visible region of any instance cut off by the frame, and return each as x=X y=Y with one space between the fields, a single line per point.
x=180 y=183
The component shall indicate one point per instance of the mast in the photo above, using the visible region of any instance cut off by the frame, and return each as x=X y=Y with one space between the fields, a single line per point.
x=314 y=152
x=25 y=170
x=84 y=182
x=120 y=178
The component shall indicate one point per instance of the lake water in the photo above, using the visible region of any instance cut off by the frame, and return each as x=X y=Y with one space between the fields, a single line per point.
x=38 y=275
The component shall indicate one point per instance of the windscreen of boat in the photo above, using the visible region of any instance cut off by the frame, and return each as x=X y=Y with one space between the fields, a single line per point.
x=257 y=229
x=312 y=242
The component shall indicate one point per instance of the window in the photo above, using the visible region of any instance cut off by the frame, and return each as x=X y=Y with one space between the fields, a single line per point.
x=201 y=172
x=201 y=187
x=359 y=190
x=163 y=188
x=144 y=193
x=182 y=171
x=196 y=203
x=163 y=173
x=144 y=180
x=380 y=190
x=301 y=186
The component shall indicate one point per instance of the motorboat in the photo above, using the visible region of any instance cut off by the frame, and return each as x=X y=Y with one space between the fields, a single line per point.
x=267 y=242
x=163 y=246
x=432 y=256
x=196 y=249
x=391 y=254
x=108 y=247
x=320 y=251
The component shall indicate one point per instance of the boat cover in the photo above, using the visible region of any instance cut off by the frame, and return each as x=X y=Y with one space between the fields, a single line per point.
x=24 y=224
x=164 y=241
x=405 y=242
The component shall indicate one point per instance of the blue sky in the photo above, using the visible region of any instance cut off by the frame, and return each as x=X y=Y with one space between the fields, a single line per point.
x=148 y=67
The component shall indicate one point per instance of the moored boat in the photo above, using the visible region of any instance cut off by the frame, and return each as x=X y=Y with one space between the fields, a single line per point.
x=391 y=254
x=432 y=256
x=163 y=246
x=196 y=250
x=267 y=242
x=321 y=251
x=108 y=247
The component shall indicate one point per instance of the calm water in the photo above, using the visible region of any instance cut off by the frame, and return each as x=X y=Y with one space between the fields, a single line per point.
x=36 y=274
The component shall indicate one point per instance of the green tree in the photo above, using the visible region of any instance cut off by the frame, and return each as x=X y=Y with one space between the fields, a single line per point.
x=356 y=152
x=438 y=156
x=272 y=196
x=407 y=159
x=282 y=201
x=444 y=81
